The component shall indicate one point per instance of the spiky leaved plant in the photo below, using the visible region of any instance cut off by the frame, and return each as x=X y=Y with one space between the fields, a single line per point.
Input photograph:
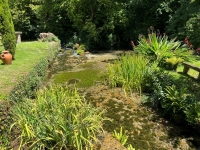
x=159 y=47
x=58 y=118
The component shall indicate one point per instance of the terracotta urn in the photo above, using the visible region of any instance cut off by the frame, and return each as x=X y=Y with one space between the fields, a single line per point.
x=6 y=57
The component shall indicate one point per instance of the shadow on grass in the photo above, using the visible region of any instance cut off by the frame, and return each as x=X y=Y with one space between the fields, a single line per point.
x=191 y=83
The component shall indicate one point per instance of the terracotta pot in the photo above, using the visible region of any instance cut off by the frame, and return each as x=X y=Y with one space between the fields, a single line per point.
x=6 y=57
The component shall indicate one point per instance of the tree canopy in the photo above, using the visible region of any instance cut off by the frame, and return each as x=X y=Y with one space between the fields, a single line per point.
x=100 y=23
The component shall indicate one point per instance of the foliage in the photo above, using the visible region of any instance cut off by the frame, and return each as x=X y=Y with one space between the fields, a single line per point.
x=184 y=24
x=193 y=113
x=58 y=118
x=158 y=79
x=169 y=92
x=81 y=49
x=52 y=16
x=175 y=99
x=51 y=38
x=121 y=137
x=95 y=20
x=7 y=28
x=129 y=72
x=158 y=47
x=130 y=147
x=25 y=18
x=5 y=122
x=172 y=62
x=31 y=82
x=28 y=85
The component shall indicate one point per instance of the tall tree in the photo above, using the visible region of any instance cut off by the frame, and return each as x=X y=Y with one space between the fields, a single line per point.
x=25 y=17
x=94 y=20
x=185 y=22
x=53 y=18
x=7 y=28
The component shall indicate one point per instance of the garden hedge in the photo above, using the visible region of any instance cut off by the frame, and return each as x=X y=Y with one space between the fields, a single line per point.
x=30 y=83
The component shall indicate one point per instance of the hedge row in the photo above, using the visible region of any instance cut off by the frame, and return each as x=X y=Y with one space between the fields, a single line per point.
x=30 y=83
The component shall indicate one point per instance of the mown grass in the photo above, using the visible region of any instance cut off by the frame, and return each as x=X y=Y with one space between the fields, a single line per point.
x=27 y=55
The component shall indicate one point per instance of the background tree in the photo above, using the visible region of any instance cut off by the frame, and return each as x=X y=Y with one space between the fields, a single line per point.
x=25 y=17
x=185 y=22
x=53 y=18
x=7 y=28
x=94 y=20
x=102 y=23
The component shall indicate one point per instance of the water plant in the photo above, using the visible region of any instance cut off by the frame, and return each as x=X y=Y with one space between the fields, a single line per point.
x=121 y=137
x=129 y=72
x=58 y=118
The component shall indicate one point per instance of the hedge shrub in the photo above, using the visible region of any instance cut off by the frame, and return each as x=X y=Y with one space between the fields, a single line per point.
x=31 y=82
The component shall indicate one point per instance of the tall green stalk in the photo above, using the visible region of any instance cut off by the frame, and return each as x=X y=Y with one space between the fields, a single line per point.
x=129 y=72
x=58 y=118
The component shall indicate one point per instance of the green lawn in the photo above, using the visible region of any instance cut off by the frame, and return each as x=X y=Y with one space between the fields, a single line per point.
x=27 y=55
x=194 y=59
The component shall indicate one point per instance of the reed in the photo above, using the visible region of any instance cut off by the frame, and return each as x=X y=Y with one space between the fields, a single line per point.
x=129 y=72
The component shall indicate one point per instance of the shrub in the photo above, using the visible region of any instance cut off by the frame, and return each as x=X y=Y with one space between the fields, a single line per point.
x=51 y=38
x=28 y=84
x=160 y=47
x=58 y=118
x=175 y=99
x=31 y=82
x=172 y=63
x=7 y=28
x=193 y=113
x=80 y=49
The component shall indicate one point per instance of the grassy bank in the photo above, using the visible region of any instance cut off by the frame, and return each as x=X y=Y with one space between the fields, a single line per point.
x=27 y=55
x=21 y=79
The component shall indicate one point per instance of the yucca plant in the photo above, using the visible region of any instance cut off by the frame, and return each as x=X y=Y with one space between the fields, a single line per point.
x=129 y=72
x=159 y=47
x=58 y=118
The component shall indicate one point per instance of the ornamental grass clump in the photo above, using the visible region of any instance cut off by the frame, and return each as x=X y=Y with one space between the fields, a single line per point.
x=59 y=118
x=129 y=72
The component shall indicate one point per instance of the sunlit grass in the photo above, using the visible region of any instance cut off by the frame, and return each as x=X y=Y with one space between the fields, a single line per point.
x=27 y=55
x=195 y=60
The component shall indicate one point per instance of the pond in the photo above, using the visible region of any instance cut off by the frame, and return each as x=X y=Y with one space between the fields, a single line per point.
x=145 y=126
